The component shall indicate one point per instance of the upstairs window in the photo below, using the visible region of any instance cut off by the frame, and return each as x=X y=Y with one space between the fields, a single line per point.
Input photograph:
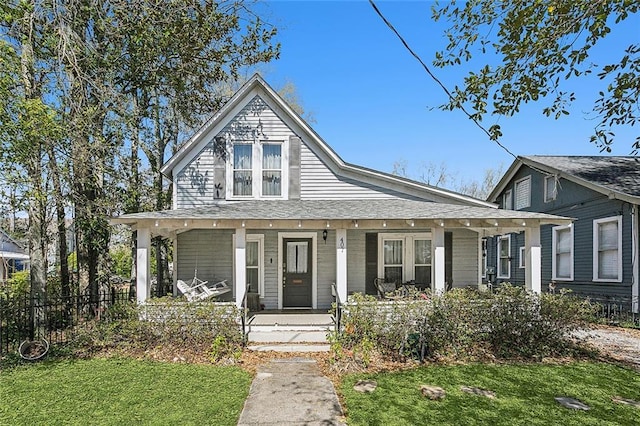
x=507 y=200
x=550 y=188
x=523 y=193
x=257 y=170
x=271 y=169
x=607 y=249
x=242 y=170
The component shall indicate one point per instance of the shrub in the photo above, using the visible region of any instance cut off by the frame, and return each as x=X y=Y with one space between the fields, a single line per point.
x=196 y=327
x=464 y=324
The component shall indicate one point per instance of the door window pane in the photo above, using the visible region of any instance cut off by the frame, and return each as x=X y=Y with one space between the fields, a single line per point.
x=297 y=257
x=253 y=266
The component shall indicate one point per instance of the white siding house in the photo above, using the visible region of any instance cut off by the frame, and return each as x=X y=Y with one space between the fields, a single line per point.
x=261 y=201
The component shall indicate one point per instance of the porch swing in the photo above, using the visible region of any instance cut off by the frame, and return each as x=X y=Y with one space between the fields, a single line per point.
x=198 y=289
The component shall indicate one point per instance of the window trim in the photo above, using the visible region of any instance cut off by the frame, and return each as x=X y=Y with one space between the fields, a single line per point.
x=509 y=193
x=596 y=224
x=515 y=193
x=254 y=238
x=408 y=249
x=521 y=257
x=547 y=198
x=554 y=253
x=507 y=238
x=256 y=172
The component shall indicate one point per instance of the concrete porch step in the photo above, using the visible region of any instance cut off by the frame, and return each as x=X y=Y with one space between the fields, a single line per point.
x=287 y=336
x=288 y=347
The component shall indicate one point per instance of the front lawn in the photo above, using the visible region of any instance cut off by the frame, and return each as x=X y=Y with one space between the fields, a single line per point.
x=525 y=396
x=122 y=391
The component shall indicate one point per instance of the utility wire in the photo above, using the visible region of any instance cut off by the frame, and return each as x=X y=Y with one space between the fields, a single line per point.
x=426 y=68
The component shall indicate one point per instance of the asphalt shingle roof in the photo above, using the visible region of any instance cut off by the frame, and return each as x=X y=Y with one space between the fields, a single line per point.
x=336 y=210
x=619 y=174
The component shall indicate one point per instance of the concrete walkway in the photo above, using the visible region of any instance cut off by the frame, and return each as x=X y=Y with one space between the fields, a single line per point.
x=291 y=392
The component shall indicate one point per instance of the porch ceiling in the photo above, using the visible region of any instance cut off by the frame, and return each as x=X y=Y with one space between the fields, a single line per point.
x=228 y=213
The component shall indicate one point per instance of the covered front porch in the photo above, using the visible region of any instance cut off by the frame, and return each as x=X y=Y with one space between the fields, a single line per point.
x=308 y=253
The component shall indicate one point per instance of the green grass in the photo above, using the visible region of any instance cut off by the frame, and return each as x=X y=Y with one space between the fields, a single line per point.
x=525 y=396
x=119 y=391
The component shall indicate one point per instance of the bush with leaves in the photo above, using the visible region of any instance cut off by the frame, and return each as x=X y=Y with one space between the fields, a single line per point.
x=463 y=324
x=166 y=322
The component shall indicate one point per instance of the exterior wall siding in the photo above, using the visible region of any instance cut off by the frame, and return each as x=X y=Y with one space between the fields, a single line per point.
x=465 y=258
x=584 y=205
x=208 y=251
x=196 y=182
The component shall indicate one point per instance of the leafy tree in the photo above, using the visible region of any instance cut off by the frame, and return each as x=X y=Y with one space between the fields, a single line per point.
x=540 y=45
x=88 y=86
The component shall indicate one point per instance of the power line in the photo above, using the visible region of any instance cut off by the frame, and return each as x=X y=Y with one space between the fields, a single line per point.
x=426 y=68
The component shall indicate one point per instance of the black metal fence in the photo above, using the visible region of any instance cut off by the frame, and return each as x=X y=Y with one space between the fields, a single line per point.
x=615 y=310
x=54 y=318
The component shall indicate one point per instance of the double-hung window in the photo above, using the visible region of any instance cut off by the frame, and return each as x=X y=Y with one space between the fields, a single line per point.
x=522 y=193
x=562 y=252
x=257 y=170
x=504 y=256
x=507 y=200
x=405 y=257
x=271 y=169
x=607 y=249
x=550 y=188
x=254 y=258
x=242 y=170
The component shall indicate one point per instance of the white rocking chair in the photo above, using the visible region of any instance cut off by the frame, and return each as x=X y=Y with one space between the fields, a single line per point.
x=200 y=290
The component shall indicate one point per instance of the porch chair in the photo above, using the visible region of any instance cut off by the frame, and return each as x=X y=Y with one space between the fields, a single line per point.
x=383 y=287
x=200 y=290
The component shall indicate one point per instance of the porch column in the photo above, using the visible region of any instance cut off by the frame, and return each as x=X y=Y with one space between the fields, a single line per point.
x=533 y=260
x=143 y=270
x=341 y=264
x=438 y=259
x=241 y=265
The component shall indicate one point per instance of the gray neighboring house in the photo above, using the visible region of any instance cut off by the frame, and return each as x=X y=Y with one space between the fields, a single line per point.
x=597 y=255
x=12 y=256
x=259 y=199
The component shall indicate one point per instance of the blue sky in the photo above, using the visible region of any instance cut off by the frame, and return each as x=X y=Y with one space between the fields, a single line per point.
x=374 y=104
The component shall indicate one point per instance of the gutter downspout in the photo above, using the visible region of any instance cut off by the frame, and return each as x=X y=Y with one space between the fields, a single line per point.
x=634 y=258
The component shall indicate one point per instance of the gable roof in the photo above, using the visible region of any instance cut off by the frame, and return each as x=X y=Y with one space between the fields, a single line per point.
x=616 y=177
x=332 y=159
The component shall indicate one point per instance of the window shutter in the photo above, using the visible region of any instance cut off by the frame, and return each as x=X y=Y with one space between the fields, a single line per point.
x=523 y=189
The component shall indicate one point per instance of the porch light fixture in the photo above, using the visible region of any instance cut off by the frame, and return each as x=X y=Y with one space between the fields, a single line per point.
x=324 y=236
x=215 y=223
x=520 y=222
x=299 y=224
x=465 y=222
x=412 y=223
x=355 y=223
x=440 y=223
x=328 y=224
x=156 y=223
x=243 y=224
x=384 y=223
x=270 y=224
x=185 y=223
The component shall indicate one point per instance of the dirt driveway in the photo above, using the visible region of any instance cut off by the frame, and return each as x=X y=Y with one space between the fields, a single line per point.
x=621 y=344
